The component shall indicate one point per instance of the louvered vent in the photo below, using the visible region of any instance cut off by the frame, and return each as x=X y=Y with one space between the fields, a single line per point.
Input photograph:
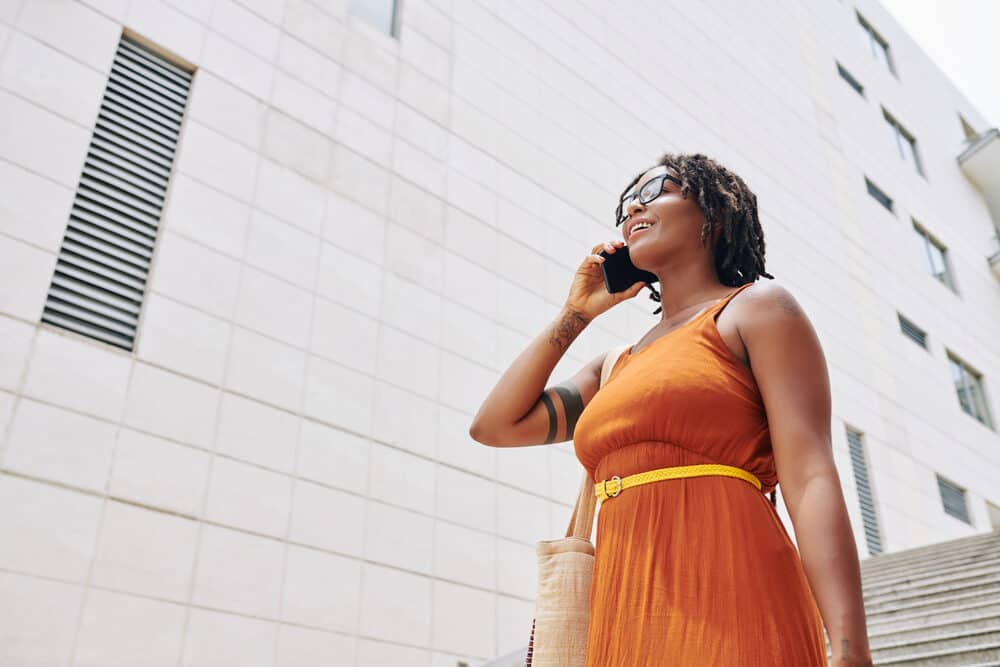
x=953 y=497
x=101 y=271
x=913 y=331
x=869 y=518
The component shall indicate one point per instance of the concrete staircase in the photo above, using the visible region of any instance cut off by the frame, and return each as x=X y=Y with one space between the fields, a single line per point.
x=935 y=605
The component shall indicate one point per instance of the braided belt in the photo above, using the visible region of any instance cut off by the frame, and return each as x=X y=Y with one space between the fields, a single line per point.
x=619 y=484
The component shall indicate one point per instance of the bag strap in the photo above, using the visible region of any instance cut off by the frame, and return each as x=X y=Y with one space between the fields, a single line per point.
x=581 y=522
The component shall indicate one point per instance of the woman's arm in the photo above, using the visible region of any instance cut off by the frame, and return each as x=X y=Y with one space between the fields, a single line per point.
x=791 y=372
x=518 y=411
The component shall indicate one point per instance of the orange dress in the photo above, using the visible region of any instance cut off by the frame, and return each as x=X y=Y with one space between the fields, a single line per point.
x=695 y=572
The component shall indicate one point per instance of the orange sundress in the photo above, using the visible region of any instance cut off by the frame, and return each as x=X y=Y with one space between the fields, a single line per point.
x=696 y=572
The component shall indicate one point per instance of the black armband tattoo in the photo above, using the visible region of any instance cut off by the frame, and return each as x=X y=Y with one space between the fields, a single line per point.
x=572 y=406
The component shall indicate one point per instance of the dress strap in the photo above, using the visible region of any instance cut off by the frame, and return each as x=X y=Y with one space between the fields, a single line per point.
x=722 y=303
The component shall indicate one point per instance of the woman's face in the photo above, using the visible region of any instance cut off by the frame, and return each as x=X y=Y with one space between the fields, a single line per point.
x=674 y=223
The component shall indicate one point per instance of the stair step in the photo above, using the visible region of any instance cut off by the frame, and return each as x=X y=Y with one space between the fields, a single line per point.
x=933 y=551
x=940 y=602
x=942 y=657
x=875 y=569
x=926 y=590
x=874 y=585
x=921 y=633
x=960 y=611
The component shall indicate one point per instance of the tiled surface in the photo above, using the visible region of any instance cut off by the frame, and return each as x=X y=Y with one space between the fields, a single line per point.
x=360 y=234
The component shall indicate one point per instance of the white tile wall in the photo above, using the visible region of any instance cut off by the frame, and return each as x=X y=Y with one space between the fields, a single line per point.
x=216 y=638
x=238 y=572
x=289 y=196
x=192 y=274
x=394 y=605
x=56 y=529
x=278 y=382
x=282 y=250
x=344 y=335
x=60 y=446
x=464 y=620
x=209 y=216
x=339 y=395
x=225 y=108
x=235 y=64
x=128 y=630
x=15 y=342
x=74 y=29
x=197 y=349
x=245 y=496
x=399 y=537
x=32 y=208
x=38 y=618
x=295 y=145
x=159 y=473
x=330 y=605
x=332 y=456
x=26 y=297
x=303 y=646
x=145 y=552
x=171 y=406
x=256 y=433
x=465 y=555
x=328 y=519
x=402 y=479
x=381 y=654
x=465 y=499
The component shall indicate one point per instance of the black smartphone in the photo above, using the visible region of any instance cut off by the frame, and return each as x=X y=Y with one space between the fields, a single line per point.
x=619 y=271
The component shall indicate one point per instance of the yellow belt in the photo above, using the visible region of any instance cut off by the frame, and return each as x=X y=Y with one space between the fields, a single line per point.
x=618 y=484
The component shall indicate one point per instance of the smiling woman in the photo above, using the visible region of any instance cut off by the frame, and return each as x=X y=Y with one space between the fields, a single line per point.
x=723 y=398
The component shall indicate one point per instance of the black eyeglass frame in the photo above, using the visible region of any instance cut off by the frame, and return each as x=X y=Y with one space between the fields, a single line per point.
x=627 y=199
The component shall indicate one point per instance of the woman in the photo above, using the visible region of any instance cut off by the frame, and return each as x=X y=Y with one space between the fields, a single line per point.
x=699 y=570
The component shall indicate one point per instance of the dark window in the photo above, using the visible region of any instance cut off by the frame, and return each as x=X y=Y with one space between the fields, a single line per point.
x=101 y=271
x=880 y=197
x=918 y=335
x=851 y=81
x=953 y=499
x=862 y=481
x=903 y=142
x=936 y=256
x=878 y=46
x=969 y=387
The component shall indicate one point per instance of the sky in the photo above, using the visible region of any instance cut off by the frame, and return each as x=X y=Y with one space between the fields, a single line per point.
x=962 y=37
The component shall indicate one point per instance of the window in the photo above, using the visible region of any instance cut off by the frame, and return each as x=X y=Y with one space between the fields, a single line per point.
x=380 y=13
x=903 y=142
x=877 y=45
x=936 y=256
x=879 y=196
x=918 y=335
x=851 y=81
x=101 y=271
x=969 y=387
x=953 y=499
x=869 y=517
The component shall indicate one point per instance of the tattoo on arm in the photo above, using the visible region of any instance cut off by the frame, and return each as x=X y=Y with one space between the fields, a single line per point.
x=572 y=407
x=567 y=329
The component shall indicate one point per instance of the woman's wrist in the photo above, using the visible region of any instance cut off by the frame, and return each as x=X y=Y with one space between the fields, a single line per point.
x=569 y=323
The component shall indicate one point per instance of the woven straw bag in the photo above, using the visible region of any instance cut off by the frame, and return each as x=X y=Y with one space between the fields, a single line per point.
x=565 y=569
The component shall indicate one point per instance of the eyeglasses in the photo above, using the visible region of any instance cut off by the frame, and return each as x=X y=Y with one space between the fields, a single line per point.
x=649 y=191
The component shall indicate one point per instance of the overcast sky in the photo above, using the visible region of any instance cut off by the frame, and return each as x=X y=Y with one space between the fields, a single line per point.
x=962 y=37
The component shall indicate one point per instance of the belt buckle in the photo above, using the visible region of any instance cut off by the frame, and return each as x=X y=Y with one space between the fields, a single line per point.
x=618 y=480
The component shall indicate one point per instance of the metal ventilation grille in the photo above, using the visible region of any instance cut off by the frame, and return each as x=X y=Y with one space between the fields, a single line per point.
x=913 y=331
x=869 y=518
x=953 y=498
x=103 y=263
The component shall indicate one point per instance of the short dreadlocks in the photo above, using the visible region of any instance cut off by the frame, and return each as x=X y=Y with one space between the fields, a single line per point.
x=723 y=197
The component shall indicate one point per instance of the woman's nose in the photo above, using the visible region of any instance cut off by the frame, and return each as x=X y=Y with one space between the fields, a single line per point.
x=633 y=205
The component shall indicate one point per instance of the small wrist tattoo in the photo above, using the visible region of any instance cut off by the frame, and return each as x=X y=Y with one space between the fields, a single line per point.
x=567 y=329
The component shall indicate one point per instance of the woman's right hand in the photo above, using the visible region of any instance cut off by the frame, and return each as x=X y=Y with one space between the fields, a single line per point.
x=588 y=295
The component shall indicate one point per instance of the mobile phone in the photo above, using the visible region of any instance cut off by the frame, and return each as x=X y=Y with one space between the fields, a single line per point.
x=620 y=273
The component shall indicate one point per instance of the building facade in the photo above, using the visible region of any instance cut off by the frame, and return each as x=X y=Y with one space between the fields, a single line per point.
x=261 y=260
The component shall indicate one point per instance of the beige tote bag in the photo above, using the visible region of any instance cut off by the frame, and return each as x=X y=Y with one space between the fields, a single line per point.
x=565 y=569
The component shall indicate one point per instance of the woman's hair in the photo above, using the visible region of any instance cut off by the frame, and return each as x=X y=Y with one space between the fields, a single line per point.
x=724 y=198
